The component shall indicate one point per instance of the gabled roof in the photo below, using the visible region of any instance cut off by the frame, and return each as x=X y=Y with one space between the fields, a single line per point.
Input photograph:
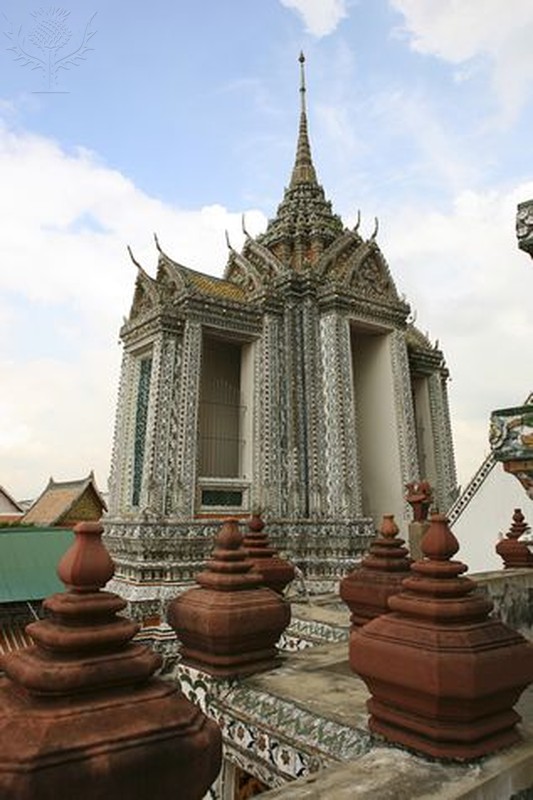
x=53 y=505
x=194 y=282
x=15 y=507
x=28 y=561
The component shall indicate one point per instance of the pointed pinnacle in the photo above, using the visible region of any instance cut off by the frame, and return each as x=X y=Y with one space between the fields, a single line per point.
x=303 y=171
x=302 y=80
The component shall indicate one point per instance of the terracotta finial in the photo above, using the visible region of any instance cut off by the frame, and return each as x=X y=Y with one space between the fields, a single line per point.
x=443 y=674
x=515 y=554
x=367 y=589
x=276 y=572
x=86 y=566
x=389 y=529
x=518 y=525
x=229 y=569
x=229 y=625
x=82 y=705
x=438 y=542
x=229 y=537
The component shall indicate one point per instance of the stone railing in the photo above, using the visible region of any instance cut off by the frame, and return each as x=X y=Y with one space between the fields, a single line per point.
x=511 y=591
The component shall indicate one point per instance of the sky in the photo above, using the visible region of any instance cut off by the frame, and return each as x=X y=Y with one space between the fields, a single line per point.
x=119 y=120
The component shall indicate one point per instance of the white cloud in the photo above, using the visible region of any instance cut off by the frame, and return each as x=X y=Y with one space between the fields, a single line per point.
x=65 y=284
x=470 y=285
x=460 y=31
x=321 y=17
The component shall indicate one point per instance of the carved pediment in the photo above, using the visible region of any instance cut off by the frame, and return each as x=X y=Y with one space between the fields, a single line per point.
x=243 y=273
x=171 y=280
x=367 y=273
x=265 y=262
x=145 y=297
x=334 y=260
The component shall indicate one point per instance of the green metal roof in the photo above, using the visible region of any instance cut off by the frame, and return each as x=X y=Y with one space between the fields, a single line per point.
x=28 y=562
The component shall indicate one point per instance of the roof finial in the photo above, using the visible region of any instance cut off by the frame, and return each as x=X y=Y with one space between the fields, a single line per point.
x=302 y=81
x=304 y=171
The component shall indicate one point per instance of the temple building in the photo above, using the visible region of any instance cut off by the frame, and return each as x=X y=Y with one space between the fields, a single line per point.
x=295 y=385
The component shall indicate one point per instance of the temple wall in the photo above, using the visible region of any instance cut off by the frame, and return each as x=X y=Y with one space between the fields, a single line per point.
x=377 y=425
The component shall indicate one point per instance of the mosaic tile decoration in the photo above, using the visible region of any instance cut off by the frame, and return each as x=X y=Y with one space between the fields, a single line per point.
x=271 y=738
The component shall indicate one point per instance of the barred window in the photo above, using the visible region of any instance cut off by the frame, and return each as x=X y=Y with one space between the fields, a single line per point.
x=221 y=411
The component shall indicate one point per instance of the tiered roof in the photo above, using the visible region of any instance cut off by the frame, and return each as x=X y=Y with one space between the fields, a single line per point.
x=305 y=239
x=305 y=224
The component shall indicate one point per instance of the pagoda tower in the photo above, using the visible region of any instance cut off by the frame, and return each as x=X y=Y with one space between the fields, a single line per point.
x=294 y=385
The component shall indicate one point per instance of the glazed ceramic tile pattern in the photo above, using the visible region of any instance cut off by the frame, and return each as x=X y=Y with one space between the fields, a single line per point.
x=308 y=633
x=269 y=737
x=156 y=560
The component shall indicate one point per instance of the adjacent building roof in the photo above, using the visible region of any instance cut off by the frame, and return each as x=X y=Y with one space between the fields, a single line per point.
x=64 y=503
x=7 y=504
x=28 y=561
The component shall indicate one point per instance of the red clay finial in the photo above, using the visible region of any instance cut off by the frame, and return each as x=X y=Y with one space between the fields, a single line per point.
x=443 y=674
x=515 y=554
x=276 y=572
x=229 y=625
x=87 y=688
x=367 y=589
x=86 y=566
x=438 y=542
x=229 y=537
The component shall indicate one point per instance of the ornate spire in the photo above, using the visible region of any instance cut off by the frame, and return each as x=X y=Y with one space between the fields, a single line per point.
x=304 y=225
x=304 y=171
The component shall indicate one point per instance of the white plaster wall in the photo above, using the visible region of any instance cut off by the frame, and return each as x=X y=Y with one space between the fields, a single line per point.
x=377 y=426
x=488 y=514
x=424 y=431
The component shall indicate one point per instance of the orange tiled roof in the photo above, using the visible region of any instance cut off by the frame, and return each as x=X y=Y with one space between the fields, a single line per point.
x=209 y=285
x=216 y=287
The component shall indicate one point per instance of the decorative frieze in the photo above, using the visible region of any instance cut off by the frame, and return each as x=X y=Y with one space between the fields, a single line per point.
x=446 y=485
x=343 y=483
x=403 y=402
x=187 y=422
